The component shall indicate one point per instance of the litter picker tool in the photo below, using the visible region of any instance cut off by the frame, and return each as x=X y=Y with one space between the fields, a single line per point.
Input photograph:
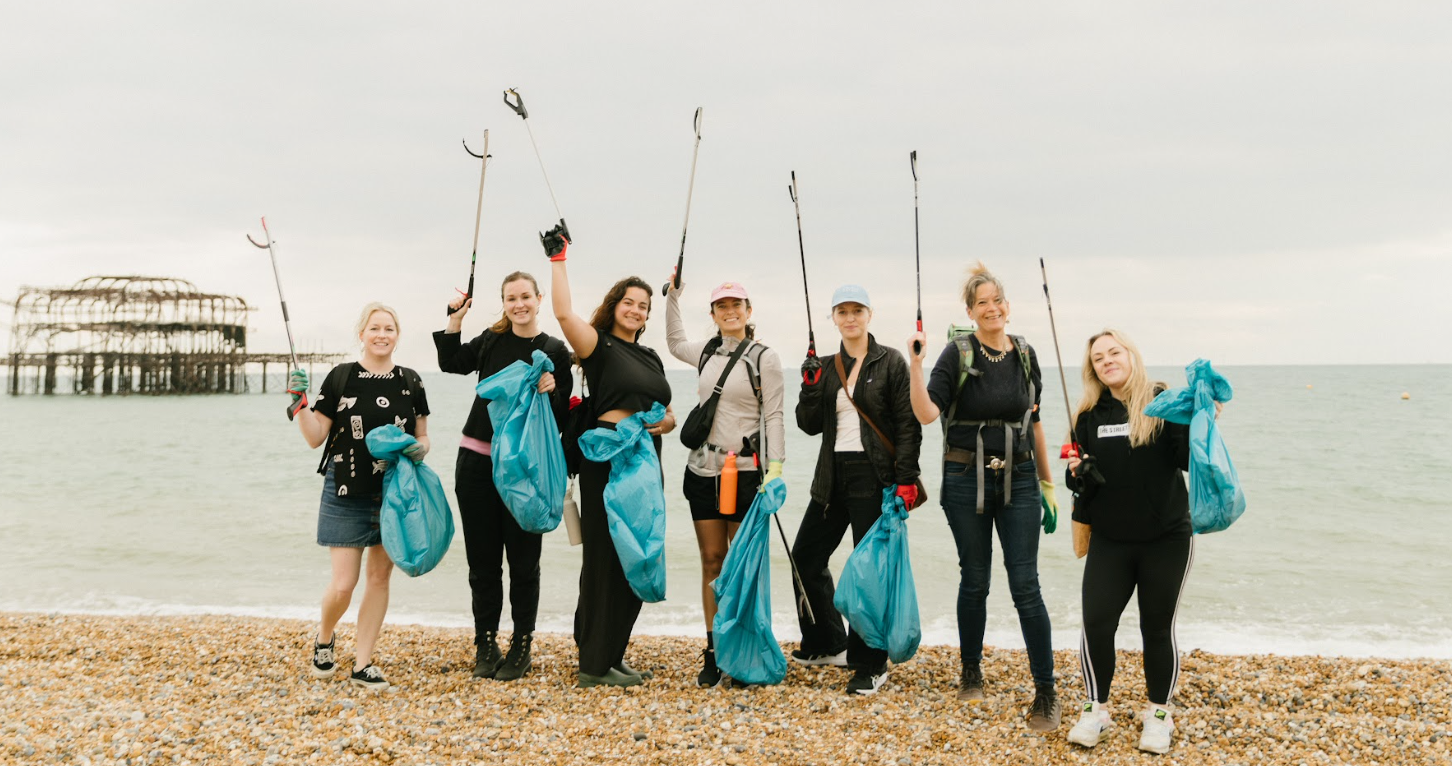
x=917 y=249
x=681 y=259
x=478 y=212
x=270 y=247
x=812 y=367
x=1069 y=411
x=518 y=106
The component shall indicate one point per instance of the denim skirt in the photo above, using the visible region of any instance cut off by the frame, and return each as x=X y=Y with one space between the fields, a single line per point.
x=347 y=522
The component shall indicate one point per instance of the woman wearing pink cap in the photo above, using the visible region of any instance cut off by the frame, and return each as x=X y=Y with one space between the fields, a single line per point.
x=747 y=422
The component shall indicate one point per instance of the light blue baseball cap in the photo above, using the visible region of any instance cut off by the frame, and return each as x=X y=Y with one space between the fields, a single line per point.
x=850 y=294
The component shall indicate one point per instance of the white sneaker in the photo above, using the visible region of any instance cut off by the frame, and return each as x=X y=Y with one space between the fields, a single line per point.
x=1158 y=724
x=1094 y=722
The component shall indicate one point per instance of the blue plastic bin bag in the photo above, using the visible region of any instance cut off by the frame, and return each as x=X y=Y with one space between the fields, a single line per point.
x=746 y=649
x=529 y=462
x=1216 y=499
x=634 y=499
x=416 y=522
x=876 y=593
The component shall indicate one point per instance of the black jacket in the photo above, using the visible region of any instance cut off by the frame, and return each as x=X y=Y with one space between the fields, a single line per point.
x=881 y=392
x=1143 y=496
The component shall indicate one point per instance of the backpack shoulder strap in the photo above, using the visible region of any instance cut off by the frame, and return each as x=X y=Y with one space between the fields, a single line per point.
x=711 y=346
x=1023 y=356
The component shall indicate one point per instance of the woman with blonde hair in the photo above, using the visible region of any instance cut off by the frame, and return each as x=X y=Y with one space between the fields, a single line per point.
x=996 y=475
x=1132 y=519
x=355 y=398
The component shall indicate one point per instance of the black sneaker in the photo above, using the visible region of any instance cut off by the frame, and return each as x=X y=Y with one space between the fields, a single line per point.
x=970 y=686
x=710 y=675
x=324 y=661
x=867 y=681
x=487 y=659
x=517 y=662
x=370 y=677
x=838 y=659
x=1044 y=712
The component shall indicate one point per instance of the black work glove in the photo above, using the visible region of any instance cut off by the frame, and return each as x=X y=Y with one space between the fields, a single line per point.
x=1088 y=473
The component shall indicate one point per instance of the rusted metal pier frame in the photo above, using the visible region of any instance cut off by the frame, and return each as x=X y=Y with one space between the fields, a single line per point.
x=134 y=335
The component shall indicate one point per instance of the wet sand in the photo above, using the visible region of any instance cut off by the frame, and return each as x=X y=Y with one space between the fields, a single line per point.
x=80 y=689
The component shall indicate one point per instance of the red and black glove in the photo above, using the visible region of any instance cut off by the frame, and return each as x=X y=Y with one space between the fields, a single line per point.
x=909 y=495
x=556 y=241
x=811 y=370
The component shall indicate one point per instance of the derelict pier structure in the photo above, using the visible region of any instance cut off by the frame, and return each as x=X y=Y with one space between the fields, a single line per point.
x=134 y=335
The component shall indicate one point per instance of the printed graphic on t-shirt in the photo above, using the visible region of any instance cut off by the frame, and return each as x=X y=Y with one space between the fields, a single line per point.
x=382 y=402
x=357 y=422
x=1121 y=429
x=346 y=403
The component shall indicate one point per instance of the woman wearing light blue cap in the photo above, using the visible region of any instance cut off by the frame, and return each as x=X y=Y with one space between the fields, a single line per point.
x=860 y=405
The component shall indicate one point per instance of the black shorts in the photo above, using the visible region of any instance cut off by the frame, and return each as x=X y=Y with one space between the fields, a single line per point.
x=702 y=493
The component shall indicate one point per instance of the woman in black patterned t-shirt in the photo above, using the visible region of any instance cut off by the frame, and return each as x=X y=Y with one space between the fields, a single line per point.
x=354 y=399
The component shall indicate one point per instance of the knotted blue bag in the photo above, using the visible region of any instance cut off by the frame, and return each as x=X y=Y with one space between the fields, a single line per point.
x=746 y=649
x=1216 y=499
x=876 y=593
x=529 y=463
x=634 y=499
x=416 y=522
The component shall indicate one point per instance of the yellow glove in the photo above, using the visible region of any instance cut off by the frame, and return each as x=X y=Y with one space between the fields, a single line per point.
x=1050 y=506
x=773 y=471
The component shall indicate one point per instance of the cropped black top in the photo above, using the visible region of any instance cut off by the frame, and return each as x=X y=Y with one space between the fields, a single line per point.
x=624 y=376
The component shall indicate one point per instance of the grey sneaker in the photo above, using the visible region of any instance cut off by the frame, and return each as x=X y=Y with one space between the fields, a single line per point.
x=325 y=662
x=1044 y=712
x=970 y=686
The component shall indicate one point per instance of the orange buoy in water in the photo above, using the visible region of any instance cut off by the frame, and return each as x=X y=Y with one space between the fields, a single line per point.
x=727 y=496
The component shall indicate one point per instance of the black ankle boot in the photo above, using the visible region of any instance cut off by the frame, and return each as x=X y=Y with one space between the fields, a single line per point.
x=487 y=660
x=517 y=662
x=710 y=675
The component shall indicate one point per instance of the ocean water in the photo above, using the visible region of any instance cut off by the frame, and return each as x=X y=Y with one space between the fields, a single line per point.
x=208 y=504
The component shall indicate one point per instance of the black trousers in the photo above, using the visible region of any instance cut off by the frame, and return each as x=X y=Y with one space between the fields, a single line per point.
x=856 y=501
x=490 y=532
x=1113 y=571
x=606 y=612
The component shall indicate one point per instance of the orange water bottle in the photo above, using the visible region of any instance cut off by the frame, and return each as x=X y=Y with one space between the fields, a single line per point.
x=728 y=485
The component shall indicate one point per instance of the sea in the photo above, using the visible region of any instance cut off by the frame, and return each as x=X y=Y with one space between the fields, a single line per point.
x=146 y=505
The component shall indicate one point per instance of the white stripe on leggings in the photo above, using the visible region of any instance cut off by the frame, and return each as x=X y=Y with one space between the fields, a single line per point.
x=1086 y=668
x=1174 y=618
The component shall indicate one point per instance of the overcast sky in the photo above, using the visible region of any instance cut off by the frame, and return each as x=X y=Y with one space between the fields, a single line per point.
x=1256 y=183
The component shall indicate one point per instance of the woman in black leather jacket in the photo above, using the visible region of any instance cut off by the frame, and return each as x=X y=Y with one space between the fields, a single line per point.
x=853 y=467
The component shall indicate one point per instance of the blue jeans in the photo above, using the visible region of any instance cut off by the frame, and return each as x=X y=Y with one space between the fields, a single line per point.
x=1018 y=531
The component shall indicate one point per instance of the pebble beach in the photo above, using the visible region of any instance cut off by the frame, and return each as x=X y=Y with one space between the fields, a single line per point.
x=85 y=689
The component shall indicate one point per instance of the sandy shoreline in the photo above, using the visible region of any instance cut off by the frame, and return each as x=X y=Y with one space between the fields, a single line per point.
x=213 y=689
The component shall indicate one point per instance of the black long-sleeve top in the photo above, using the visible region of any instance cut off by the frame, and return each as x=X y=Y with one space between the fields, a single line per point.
x=491 y=352
x=1143 y=496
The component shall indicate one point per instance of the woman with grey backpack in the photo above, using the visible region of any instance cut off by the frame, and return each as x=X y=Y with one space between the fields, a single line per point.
x=741 y=389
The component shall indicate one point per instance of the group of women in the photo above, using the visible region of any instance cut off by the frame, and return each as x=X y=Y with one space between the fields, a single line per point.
x=867 y=402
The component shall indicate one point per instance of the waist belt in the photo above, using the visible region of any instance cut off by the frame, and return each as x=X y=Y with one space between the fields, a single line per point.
x=1008 y=441
x=968 y=457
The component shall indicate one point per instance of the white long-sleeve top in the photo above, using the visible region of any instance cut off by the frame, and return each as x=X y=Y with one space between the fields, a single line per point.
x=737 y=415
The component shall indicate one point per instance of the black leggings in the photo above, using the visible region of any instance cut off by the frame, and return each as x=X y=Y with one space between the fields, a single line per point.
x=490 y=532
x=1112 y=572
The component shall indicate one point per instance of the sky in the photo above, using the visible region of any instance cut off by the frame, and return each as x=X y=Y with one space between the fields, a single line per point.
x=1249 y=182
